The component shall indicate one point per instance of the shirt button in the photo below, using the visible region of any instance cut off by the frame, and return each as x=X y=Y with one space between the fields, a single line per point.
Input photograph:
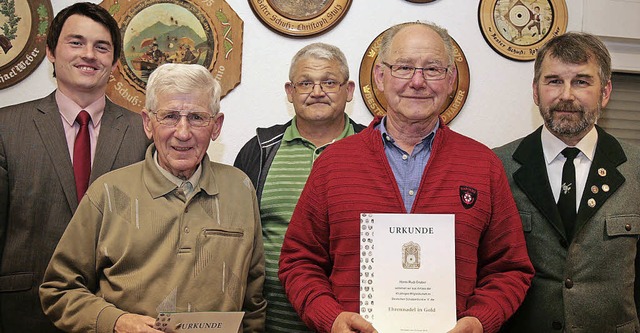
x=404 y=157
x=627 y=227
x=568 y=283
x=186 y=230
x=556 y=325
x=411 y=192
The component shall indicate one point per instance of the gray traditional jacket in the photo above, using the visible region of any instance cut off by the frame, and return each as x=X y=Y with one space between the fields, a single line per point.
x=590 y=284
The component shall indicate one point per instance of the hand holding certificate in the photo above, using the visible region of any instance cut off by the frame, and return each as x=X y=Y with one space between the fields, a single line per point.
x=407 y=272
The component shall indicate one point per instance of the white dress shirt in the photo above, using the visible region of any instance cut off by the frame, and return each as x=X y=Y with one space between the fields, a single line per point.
x=552 y=148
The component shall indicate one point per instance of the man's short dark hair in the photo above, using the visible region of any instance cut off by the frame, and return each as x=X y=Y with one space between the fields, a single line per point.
x=575 y=48
x=92 y=11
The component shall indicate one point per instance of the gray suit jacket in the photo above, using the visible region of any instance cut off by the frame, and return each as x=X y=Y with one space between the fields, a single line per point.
x=38 y=196
x=590 y=284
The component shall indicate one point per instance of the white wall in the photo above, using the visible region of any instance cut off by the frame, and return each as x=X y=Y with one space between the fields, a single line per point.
x=617 y=24
x=499 y=107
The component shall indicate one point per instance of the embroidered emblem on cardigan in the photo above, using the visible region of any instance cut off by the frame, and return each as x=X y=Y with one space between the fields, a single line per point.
x=468 y=196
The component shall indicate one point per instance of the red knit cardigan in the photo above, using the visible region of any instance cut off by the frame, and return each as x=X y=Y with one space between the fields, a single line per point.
x=319 y=263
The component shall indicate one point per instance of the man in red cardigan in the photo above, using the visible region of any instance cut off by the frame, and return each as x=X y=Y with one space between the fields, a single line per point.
x=407 y=162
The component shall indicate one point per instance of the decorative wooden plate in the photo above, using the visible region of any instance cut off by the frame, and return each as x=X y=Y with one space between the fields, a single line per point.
x=300 y=17
x=23 y=38
x=516 y=30
x=154 y=32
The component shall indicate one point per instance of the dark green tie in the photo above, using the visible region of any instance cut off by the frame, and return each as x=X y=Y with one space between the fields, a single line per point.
x=567 y=200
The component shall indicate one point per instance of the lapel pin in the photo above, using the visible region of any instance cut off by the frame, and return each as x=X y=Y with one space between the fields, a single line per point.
x=591 y=202
x=602 y=172
x=594 y=189
x=605 y=187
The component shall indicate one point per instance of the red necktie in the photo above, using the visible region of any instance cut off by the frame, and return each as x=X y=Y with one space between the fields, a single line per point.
x=82 y=154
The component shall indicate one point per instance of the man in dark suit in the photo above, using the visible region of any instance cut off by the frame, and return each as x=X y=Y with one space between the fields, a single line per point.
x=576 y=188
x=38 y=194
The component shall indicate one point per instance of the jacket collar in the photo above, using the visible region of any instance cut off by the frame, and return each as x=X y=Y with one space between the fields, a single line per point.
x=604 y=178
x=532 y=177
x=533 y=180
x=375 y=136
x=158 y=185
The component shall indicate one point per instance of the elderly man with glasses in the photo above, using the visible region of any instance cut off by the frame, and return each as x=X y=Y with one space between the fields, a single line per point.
x=173 y=233
x=407 y=162
x=278 y=159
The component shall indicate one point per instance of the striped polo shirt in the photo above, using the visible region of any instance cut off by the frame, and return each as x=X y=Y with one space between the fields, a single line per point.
x=286 y=178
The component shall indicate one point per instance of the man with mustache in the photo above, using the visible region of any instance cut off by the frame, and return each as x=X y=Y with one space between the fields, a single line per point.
x=279 y=158
x=576 y=188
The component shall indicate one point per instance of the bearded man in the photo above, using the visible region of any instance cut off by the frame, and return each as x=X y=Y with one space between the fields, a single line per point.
x=576 y=188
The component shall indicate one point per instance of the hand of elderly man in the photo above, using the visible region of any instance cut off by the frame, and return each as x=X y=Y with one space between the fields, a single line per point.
x=351 y=322
x=468 y=325
x=133 y=323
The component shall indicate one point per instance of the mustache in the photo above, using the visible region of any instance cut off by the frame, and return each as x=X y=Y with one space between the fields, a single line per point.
x=321 y=100
x=566 y=106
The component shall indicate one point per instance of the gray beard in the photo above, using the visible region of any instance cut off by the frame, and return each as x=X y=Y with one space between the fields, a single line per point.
x=565 y=126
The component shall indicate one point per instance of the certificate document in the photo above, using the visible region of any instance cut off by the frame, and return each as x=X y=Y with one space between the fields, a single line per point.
x=199 y=322
x=407 y=272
